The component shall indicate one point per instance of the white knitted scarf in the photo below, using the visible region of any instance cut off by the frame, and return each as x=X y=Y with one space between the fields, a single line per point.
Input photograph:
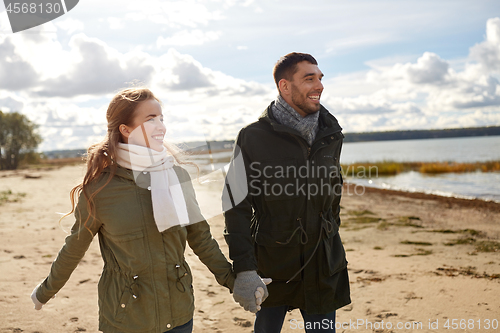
x=169 y=206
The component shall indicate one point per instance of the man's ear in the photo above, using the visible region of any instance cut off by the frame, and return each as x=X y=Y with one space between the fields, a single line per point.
x=124 y=130
x=284 y=87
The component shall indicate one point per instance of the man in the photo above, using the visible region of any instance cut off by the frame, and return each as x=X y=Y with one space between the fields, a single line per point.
x=282 y=207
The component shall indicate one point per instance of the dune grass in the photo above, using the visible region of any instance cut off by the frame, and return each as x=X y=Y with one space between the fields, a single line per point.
x=9 y=196
x=390 y=168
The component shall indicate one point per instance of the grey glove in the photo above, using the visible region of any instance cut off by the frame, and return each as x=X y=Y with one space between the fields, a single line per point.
x=245 y=290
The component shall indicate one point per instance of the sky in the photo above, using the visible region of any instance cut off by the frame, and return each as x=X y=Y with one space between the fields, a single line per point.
x=388 y=65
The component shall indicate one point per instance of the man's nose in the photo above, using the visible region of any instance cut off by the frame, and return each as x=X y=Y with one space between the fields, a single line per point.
x=319 y=85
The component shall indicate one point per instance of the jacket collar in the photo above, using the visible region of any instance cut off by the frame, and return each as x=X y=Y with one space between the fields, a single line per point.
x=121 y=172
x=328 y=124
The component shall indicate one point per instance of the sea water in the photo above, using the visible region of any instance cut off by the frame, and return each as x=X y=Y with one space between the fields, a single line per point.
x=482 y=185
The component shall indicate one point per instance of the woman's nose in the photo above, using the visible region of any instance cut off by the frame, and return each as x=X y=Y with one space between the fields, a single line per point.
x=160 y=124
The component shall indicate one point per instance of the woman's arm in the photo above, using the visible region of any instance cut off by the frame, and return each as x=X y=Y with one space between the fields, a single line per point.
x=200 y=239
x=207 y=249
x=76 y=244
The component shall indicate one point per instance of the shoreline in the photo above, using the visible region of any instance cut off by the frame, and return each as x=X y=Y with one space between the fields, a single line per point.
x=448 y=200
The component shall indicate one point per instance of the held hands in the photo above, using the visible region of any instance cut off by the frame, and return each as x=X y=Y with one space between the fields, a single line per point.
x=250 y=290
x=259 y=293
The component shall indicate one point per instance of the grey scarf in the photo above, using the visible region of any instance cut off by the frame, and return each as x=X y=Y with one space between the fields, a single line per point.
x=286 y=115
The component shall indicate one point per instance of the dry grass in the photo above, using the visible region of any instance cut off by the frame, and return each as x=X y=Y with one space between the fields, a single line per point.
x=388 y=168
x=445 y=167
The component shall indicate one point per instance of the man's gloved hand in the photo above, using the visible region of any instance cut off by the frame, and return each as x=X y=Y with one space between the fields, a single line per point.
x=250 y=289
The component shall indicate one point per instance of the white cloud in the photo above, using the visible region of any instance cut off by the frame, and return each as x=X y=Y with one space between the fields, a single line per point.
x=429 y=69
x=180 y=72
x=62 y=124
x=347 y=43
x=10 y=102
x=15 y=72
x=70 y=25
x=175 y=14
x=115 y=23
x=210 y=102
x=97 y=69
x=202 y=100
x=426 y=93
x=487 y=53
x=185 y=37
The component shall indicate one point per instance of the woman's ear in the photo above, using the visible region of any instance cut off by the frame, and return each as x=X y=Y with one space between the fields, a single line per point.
x=124 y=130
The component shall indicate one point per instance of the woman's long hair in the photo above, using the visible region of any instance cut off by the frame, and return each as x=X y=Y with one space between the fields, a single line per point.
x=103 y=154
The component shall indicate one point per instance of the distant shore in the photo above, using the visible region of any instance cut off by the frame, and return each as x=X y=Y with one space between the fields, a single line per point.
x=422 y=134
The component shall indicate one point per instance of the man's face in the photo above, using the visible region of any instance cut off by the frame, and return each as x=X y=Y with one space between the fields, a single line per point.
x=306 y=89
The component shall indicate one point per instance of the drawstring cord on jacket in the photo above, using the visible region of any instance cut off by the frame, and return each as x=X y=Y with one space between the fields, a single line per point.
x=327 y=226
x=303 y=235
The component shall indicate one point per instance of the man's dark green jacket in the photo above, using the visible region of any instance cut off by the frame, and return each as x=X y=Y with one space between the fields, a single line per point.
x=282 y=203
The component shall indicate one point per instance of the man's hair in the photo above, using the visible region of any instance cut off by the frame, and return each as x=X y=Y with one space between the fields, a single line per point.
x=287 y=65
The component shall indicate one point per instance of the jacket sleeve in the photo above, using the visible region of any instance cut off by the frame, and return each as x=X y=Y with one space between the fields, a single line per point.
x=73 y=250
x=201 y=241
x=237 y=207
x=338 y=196
x=207 y=249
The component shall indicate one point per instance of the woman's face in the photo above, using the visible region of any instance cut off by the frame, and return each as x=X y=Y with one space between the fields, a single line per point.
x=147 y=127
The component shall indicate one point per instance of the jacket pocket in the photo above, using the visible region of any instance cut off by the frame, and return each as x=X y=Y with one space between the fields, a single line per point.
x=126 y=301
x=334 y=254
x=128 y=250
x=278 y=255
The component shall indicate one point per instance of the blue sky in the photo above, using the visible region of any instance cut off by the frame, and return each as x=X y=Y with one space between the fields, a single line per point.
x=388 y=65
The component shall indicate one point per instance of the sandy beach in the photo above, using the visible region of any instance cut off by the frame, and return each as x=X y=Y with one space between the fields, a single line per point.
x=417 y=263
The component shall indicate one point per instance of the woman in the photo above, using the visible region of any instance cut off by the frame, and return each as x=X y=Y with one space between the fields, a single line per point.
x=143 y=207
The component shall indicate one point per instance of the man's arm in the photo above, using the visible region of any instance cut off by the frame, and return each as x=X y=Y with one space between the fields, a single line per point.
x=237 y=207
x=249 y=289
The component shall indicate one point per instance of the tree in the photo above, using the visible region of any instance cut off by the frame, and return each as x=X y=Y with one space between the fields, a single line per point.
x=18 y=137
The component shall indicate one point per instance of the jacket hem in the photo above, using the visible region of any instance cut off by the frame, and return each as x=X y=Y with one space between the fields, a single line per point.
x=107 y=327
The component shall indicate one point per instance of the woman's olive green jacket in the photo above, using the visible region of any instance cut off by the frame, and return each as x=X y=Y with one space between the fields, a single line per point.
x=146 y=283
